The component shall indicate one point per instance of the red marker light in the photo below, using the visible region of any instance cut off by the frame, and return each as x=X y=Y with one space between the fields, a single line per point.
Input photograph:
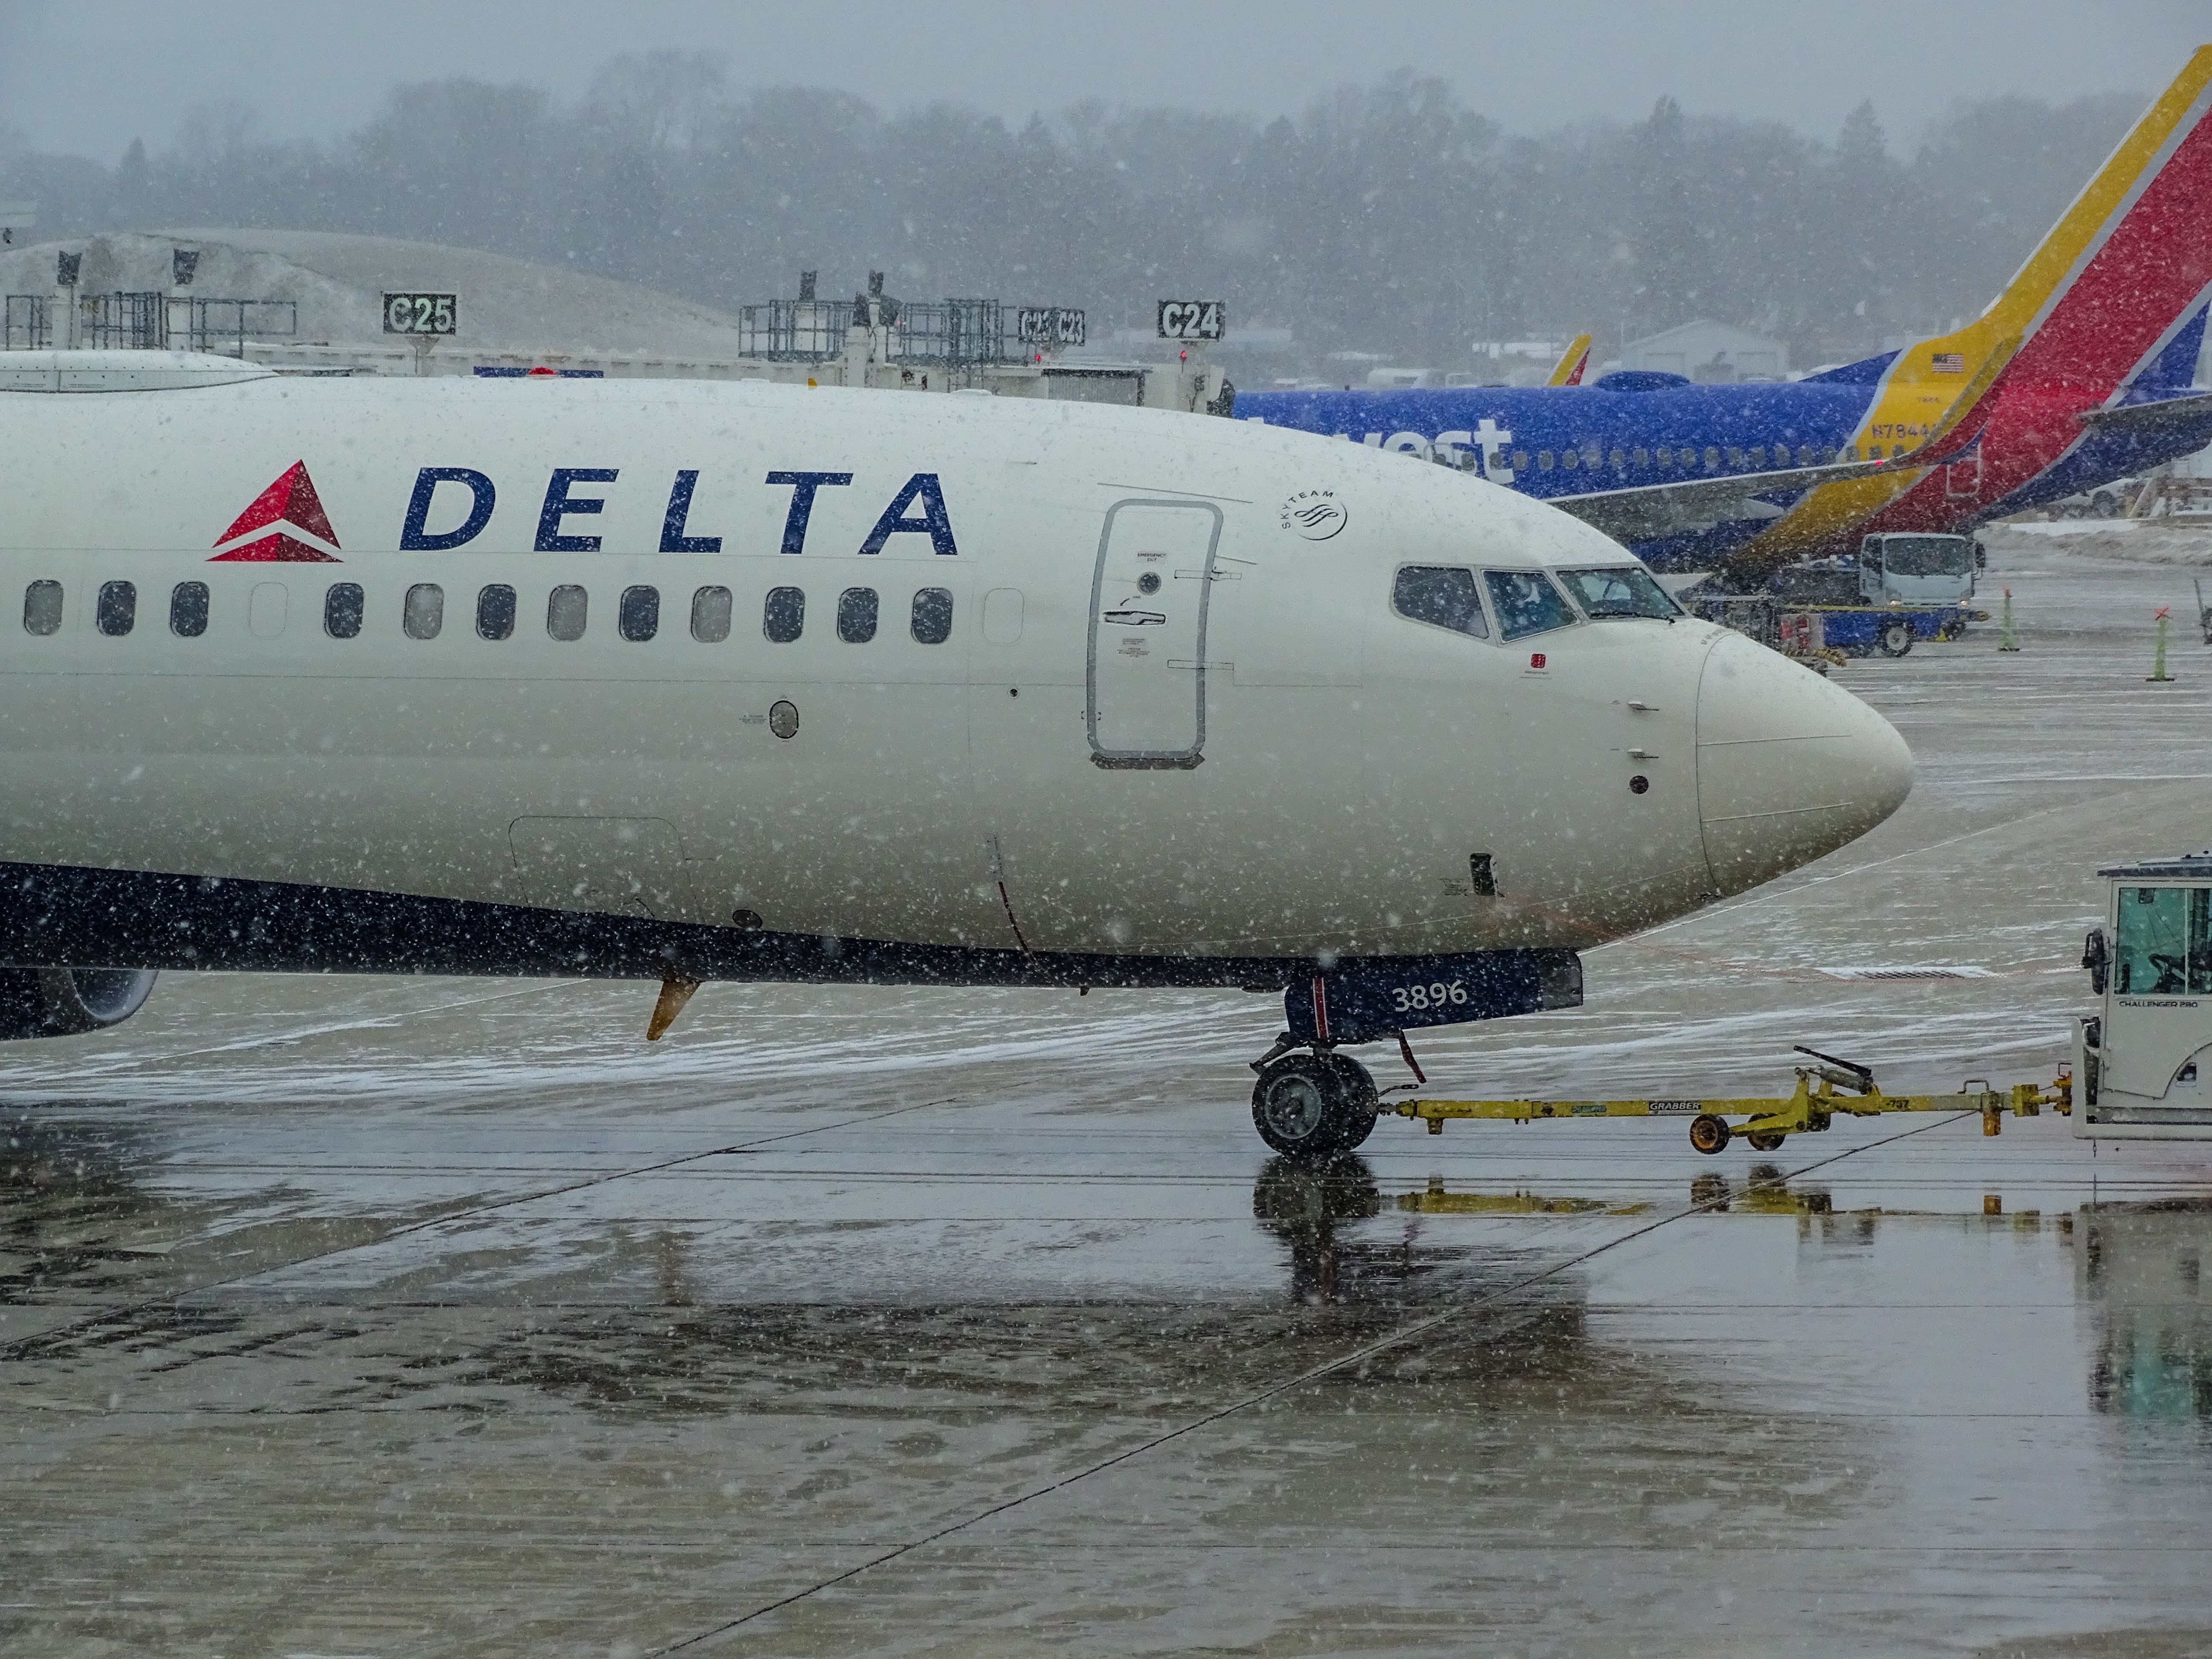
x=1535 y=659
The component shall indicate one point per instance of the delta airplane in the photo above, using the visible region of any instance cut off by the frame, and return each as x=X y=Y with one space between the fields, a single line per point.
x=2081 y=372
x=687 y=681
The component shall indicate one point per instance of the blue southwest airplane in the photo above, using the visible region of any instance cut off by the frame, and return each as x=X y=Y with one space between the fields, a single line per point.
x=2081 y=372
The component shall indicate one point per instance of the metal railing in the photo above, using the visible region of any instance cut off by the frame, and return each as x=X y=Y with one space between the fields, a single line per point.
x=153 y=321
x=29 y=325
x=956 y=334
x=225 y=325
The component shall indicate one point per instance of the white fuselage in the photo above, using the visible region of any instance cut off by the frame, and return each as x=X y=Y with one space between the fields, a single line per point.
x=1252 y=755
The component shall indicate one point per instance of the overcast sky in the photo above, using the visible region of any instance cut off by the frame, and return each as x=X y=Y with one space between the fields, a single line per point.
x=88 y=75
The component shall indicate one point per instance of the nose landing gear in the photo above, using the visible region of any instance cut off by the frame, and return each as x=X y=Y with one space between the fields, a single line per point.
x=1309 y=1105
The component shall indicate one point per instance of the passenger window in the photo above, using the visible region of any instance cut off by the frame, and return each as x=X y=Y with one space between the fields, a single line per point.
x=117 y=608
x=1759 y=455
x=1712 y=458
x=342 y=609
x=1666 y=456
x=1804 y=454
x=1641 y=457
x=1444 y=596
x=710 y=614
x=567 y=609
x=856 y=615
x=1734 y=456
x=1526 y=603
x=424 y=612
x=932 y=616
x=784 y=617
x=188 y=610
x=1850 y=451
x=42 y=609
x=637 y=617
x=1570 y=460
x=1520 y=458
x=1619 y=461
x=1543 y=460
x=495 y=609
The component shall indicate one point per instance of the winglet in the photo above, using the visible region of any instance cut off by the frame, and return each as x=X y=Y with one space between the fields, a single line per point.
x=1572 y=361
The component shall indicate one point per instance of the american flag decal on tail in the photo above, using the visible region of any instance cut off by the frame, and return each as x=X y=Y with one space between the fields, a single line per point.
x=1948 y=362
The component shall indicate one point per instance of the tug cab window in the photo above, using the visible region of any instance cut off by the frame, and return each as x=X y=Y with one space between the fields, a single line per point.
x=2165 y=942
x=1526 y=603
x=117 y=608
x=1621 y=591
x=1443 y=596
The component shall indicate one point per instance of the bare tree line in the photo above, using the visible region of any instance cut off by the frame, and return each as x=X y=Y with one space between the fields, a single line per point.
x=1390 y=218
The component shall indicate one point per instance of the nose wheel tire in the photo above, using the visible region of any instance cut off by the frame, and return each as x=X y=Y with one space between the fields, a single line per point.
x=1896 y=639
x=1312 y=1105
x=1709 y=1132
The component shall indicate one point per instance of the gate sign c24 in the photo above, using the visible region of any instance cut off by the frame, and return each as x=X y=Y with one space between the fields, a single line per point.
x=421 y=313
x=1193 y=319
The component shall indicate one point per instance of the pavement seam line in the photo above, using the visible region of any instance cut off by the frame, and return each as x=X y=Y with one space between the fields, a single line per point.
x=20 y=1345
x=1367 y=1351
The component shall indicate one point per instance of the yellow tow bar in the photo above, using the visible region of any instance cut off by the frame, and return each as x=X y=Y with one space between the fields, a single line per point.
x=1823 y=1092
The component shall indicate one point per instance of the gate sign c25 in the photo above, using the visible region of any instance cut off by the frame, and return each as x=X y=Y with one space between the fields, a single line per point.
x=421 y=313
x=1192 y=319
x=1048 y=326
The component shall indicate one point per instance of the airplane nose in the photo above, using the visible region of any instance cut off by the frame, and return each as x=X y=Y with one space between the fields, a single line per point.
x=1789 y=766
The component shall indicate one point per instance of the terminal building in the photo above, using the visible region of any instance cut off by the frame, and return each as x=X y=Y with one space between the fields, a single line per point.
x=311 y=302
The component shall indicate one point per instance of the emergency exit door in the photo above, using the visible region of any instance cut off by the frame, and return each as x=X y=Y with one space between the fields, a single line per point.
x=1146 y=677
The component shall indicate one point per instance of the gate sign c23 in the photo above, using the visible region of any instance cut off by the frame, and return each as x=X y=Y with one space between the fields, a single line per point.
x=421 y=313
x=1048 y=326
x=1193 y=319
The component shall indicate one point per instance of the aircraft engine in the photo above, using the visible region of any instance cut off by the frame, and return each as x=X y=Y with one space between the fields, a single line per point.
x=44 y=1002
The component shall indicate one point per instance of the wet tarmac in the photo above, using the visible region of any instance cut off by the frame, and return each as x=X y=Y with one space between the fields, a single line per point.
x=373 y=1316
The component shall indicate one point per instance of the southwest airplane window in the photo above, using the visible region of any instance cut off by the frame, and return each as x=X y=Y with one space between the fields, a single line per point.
x=117 y=607
x=495 y=611
x=1526 y=604
x=932 y=616
x=637 y=618
x=341 y=609
x=424 y=612
x=856 y=615
x=785 y=614
x=188 y=610
x=566 y=609
x=710 y=614
x=42 y=608
x=1625 y=591
x=1444 y=596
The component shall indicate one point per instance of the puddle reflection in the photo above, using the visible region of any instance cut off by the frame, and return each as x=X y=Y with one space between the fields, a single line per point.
x=2143 y=1264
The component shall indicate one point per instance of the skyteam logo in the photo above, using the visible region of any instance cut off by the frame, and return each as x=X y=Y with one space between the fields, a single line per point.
x=293 y=507
x=1316 y=515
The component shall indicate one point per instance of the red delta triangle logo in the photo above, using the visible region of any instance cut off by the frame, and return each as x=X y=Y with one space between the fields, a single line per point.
x=292 y=505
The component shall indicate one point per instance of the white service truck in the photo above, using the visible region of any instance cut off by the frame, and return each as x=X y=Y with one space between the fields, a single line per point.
x=2140 y=1061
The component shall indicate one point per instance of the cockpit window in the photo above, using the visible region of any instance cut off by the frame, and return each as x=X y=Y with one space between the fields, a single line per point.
x=1442 y=595
x=1526 y=603
x=1618 y=591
